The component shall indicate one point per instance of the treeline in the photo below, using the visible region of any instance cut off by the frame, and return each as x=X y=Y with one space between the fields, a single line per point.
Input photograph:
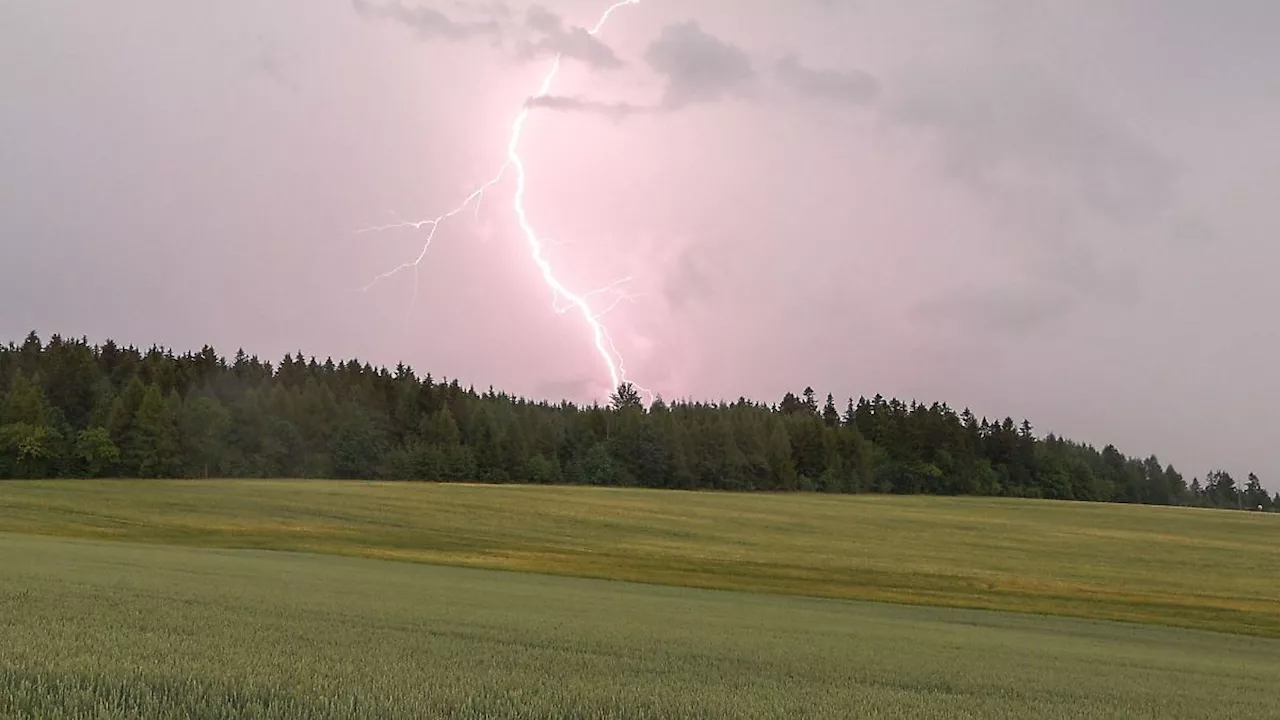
x=71 y=409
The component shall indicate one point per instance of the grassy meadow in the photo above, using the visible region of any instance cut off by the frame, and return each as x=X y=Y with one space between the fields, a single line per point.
x=102 y=630
x=1193 y=568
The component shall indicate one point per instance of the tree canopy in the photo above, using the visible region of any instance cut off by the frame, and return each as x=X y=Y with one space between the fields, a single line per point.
x=72 y=409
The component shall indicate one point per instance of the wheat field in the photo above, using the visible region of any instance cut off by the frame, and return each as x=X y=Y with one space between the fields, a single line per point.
x=105 y=630
x=1181 y=567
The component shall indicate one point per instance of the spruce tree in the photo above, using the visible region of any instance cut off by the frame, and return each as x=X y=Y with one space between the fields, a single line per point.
x=152 y=447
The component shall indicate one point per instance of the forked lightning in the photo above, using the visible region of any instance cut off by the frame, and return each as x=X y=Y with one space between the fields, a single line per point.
x=563 y=299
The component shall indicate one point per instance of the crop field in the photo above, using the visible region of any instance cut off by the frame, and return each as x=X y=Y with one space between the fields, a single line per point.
x=1192 y=568
x=97 y=629
x=284 y=599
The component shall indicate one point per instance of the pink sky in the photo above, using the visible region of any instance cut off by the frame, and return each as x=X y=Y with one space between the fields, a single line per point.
x=1060 y=214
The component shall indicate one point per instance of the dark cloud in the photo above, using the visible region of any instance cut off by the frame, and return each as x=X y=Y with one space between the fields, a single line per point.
x=428 y=23
x=847 y=86
x=543 y=20
x=998 y=311
x=1021 y=130
x=488 y=9
x=698 y=67
x=564 y=103
x=1060 y=183
x=571 y=42
x=553 y=36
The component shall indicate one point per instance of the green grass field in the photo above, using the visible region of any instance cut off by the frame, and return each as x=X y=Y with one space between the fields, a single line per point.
x=171 y=600
x=94 y=629
x=1181 y=567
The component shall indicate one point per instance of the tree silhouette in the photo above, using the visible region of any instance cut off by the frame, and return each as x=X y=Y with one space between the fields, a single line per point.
x=71 y=409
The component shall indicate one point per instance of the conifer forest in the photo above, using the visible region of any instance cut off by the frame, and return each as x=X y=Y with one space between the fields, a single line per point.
x=69 y=408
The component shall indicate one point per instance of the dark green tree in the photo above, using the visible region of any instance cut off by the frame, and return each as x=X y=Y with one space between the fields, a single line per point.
x=27 y=450
x=70 y=409
x=25 y=402
x=830 y=416
x=152 y=449
x=205 y=426
x=1255 y=497
x=626 y=396
x=356 y=444
x=596 y=467
x=95 y=453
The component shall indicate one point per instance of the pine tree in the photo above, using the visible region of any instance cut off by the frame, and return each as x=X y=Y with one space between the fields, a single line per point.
x=440 y=428
x=123 y=412
x=830 y=415
x=780 y=457
x=25 y=402
x=1220 y=488
x=626 y=396
x=69 y=409
x=1255 y=498
x=205 y=426
x=152 y=448
x=542 y=470
x=596 y=467
x=850 y=418
x=356 y=444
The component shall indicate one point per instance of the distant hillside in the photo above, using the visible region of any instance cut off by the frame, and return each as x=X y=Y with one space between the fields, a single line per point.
x=71 y=409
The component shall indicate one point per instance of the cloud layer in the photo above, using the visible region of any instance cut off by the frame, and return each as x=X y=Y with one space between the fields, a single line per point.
x=1032 y=208
x=698 y=67
x=576 y=43
x=848 y=86
x=427 y=22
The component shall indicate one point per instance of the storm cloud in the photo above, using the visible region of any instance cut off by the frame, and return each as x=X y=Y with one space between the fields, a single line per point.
x=697 y=66
x=845 y=86
x=1062 y=211
x=427 y=22
x=571 y=42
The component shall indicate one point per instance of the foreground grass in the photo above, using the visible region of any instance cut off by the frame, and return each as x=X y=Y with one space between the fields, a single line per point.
x=103 y=630
x=1181 y=567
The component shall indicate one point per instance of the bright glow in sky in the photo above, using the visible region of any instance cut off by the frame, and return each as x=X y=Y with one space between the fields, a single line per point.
x=1058 y=211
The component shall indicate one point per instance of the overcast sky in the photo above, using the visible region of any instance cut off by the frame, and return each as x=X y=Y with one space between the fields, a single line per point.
x=1061 y=211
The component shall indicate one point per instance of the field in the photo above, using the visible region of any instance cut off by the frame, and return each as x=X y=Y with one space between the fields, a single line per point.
x=94 y=629
x=1182 y=567
x=173 y=600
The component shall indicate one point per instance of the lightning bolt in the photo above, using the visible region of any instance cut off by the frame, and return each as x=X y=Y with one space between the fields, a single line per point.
x=563 y=299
